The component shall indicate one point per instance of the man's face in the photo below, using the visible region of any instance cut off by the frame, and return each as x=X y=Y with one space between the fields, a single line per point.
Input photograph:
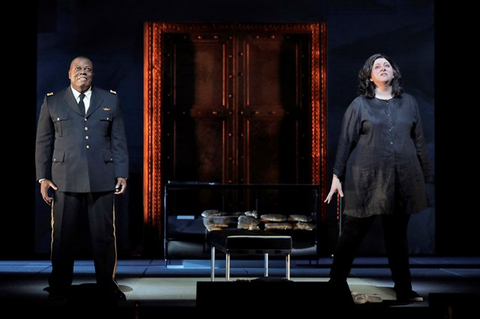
x=81 y=74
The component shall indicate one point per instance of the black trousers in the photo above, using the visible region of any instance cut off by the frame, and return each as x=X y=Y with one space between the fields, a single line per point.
x=396 y=246
x=68 y=211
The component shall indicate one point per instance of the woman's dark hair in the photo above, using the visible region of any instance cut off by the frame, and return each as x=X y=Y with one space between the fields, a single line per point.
x=367 y=87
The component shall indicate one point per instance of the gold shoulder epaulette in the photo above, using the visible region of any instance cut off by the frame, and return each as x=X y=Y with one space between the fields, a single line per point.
x=113 y=92
x=50 y=93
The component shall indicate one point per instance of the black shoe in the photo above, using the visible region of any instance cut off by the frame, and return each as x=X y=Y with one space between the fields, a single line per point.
x=115 y=295
x=409 y=296
x=57 y=296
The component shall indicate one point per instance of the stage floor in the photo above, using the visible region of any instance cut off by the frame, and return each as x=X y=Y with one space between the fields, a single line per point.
x=450 y=287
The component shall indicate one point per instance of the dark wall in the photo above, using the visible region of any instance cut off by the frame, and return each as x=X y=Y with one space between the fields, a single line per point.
x=111 y=34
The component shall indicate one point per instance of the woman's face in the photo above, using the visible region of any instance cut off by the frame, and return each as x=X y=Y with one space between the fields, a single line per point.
x=382 y=71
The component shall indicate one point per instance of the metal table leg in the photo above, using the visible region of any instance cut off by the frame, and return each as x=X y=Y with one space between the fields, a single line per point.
x=227 y=266
x=212 y=256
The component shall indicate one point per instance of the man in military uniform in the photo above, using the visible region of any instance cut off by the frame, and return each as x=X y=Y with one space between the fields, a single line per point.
x=82 y=162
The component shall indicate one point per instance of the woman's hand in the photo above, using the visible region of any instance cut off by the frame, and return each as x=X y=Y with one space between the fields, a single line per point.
x=334 y=188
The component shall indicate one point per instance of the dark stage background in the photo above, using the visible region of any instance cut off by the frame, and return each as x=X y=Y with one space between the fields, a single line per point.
x=111 y=34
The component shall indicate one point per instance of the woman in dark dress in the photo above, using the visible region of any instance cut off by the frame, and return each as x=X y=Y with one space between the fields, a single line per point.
x=381 y=168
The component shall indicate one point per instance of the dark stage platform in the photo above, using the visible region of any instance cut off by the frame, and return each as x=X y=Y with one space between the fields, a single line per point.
x=450 y=287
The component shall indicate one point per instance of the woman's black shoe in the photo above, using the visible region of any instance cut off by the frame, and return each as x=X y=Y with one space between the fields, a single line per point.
x=116 y=295
x=409 y=296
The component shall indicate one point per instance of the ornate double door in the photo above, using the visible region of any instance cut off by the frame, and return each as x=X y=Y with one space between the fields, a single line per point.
x=233 y=104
